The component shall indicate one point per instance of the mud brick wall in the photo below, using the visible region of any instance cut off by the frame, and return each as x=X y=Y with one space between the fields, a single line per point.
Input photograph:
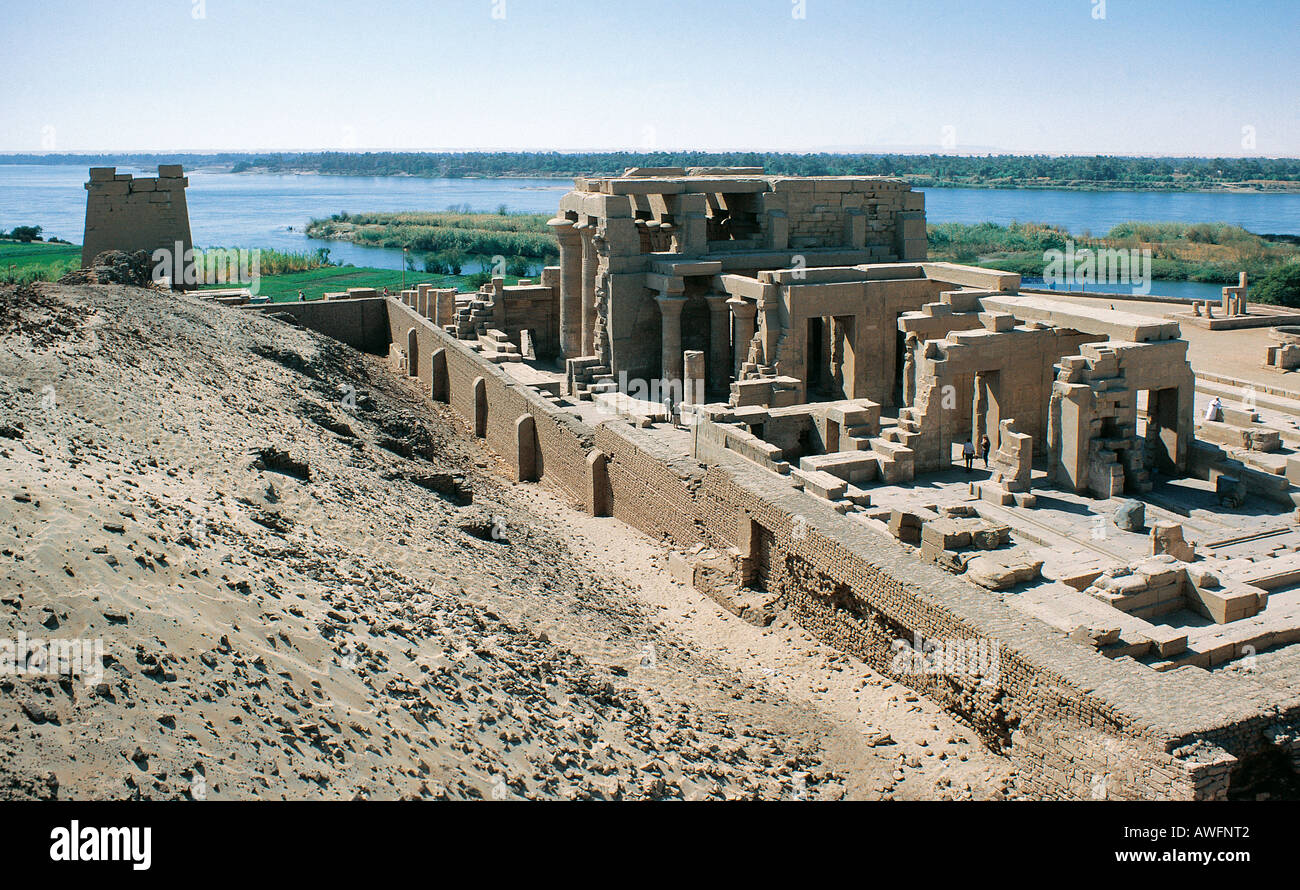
x=1074 y=723
x=129 y=214
x=562 y=443
x=361 y=324
x=861 y=606
x=1064 y=743
x=650 y=489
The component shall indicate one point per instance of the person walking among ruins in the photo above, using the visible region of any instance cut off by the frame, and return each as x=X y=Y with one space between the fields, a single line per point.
x=668 y=410
x=985 y=447
x=968 y=453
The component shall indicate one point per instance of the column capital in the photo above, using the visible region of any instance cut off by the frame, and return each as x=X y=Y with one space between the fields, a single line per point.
x=562 y=227
x=717 y=302
x=670 y=304
x=742 y=308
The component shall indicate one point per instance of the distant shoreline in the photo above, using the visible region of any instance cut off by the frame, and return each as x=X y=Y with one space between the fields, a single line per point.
x=917 y=182
x=1006 y=172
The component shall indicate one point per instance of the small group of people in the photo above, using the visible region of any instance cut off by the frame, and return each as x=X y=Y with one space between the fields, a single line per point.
x=968 y=452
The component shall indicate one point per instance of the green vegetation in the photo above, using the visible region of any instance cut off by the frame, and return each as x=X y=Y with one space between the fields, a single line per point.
x=24 y=234
x=1281 y=287
x=315 y=283
x=282 y=274
x=447 y=242
x=930 y=170
x=1209 y=252
x=25 y=262
x=269 y=262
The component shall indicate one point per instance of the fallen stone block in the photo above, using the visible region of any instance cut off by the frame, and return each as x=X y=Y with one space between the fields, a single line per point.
x=1168 y=641
x=1130 y=516
x=1095 y=636
x=1004 y=570
x=1167 y=538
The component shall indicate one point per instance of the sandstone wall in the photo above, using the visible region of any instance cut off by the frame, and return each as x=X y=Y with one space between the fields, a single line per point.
x=128 y=213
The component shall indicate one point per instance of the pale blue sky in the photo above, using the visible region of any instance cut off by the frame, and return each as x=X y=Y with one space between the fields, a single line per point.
x=1151 y=77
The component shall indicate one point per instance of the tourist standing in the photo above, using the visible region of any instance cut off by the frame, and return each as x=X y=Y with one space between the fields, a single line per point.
x=968 y=453
x=985 y=447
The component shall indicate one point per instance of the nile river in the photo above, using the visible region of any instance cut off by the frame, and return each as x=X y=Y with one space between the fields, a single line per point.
x=271 y=210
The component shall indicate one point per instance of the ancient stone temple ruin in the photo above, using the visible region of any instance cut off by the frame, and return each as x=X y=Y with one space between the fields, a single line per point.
x=130 y=213
x=661 y=244
x=768 y=376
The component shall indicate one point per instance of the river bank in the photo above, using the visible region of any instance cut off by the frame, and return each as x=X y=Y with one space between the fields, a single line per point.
x=271 y=211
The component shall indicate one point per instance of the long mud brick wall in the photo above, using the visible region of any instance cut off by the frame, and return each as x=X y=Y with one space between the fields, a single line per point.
x=361 y=324
x=1074 y=723
x=493 y=403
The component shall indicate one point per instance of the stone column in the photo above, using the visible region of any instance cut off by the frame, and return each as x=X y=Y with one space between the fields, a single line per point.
x=600 y=337
x=745 y=313
x=720 y=365
x=771 y=309
x=588 y=288
x=909 y=371
x=570 y=321
x=693 y=372
x=837 y=356
x=979 y=410
x=670 y=312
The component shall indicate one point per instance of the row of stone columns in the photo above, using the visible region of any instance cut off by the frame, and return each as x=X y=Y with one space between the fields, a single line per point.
x=721 y=363
x=578 y=263
x=570 y=287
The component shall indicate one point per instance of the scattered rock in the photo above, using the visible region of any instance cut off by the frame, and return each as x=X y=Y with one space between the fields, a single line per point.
x=1130 y=516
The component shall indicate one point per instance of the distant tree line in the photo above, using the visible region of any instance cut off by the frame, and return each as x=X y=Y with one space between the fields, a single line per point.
x=934 y=169
x=25 y=234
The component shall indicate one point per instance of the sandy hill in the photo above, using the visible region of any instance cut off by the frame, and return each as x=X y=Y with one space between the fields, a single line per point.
x=307 y=585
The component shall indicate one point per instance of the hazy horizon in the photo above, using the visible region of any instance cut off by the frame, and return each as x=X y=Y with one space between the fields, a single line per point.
x=880 y=150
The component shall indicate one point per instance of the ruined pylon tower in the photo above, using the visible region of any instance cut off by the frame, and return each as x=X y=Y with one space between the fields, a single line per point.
x=130 y=213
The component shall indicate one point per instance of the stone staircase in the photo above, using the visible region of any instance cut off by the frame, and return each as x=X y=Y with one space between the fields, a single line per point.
x=907 y=431
x=589 y=378
x=495 y=346
x=472 y=320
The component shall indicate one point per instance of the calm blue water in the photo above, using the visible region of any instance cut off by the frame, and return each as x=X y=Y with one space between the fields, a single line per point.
x=270 y=210
x=1186 y=290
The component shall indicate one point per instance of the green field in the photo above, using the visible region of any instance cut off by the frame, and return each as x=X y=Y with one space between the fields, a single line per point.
x=21 y=263
x=330 y=279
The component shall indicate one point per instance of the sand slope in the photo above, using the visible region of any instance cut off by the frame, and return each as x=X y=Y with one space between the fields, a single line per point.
x=303 y=597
